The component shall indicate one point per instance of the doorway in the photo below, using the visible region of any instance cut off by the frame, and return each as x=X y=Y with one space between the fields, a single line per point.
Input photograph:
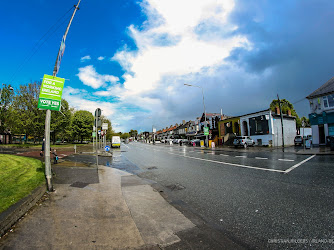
x=322 y=139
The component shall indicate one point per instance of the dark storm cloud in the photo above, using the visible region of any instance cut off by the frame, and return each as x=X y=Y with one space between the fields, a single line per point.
x=294 y=39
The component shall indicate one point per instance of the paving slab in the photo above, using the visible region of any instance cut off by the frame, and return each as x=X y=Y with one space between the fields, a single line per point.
x=156 y=219
x=93 y=217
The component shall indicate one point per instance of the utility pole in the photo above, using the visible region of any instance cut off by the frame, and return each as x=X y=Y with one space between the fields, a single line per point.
x=280 y=110
x=47 y=147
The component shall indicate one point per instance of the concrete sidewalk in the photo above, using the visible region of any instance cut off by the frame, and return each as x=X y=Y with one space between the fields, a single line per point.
x=104 y=209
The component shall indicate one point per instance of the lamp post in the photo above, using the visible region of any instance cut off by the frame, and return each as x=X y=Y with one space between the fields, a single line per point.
x=196 y=86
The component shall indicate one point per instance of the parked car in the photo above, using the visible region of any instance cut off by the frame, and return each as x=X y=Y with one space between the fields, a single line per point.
x=196 y=141
x=176 y=141
x=298 y=140
x=169 y=140
x=185 y=141
x=243 y=141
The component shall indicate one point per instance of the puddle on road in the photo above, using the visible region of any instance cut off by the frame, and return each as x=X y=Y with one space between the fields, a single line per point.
x=72 y=164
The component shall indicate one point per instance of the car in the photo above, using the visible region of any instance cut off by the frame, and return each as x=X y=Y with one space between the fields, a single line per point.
x=243 y=141
x=185 y=141
x=298 y=140
x=195 y=142
x=168 y=141
x=176 y=141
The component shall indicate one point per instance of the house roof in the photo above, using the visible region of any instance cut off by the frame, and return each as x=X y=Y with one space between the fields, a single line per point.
x=327 y=88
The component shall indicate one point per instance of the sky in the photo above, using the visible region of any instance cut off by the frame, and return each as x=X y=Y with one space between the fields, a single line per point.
x=131 y=58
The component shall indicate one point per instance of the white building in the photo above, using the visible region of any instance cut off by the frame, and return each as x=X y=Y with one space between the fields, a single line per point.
x=264 y=127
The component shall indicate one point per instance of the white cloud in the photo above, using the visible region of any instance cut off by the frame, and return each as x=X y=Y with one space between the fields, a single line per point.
x=90 y=77
x=85 y=58
x=100 y=58
x=171 y=51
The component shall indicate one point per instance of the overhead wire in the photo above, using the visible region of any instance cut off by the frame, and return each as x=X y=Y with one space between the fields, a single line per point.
x=47 y=35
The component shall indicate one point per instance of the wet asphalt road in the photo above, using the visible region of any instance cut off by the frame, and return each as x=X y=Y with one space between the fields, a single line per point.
x=264 y=200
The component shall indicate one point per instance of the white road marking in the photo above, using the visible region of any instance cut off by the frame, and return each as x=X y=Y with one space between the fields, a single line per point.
x=261 y=158
x=224 y=155
x=285 y=160
x=241 y=156
x=297 y=165
x=231 y=164
x=125 y=146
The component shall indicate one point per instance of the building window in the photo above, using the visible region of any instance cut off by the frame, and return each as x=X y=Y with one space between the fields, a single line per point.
x=258 y=126
x=328 y=101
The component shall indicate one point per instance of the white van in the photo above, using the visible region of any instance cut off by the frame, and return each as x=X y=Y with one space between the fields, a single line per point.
x=116 y=142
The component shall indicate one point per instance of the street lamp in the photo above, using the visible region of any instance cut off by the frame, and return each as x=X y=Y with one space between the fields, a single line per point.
x=196 y=86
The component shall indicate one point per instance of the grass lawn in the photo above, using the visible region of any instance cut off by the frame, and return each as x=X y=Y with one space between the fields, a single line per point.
x=18 y=177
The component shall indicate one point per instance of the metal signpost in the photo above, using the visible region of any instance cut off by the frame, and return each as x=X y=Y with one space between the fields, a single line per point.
x=97 y=124
x=52 y=105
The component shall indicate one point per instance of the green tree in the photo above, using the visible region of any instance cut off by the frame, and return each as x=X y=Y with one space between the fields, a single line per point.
x=82 y=124
x=61 y=122
x=133 y=133
x=286 y=106
x=6 y=99
x=125 y=135
x=110 y=131
x=306 y=121
x=26 y=117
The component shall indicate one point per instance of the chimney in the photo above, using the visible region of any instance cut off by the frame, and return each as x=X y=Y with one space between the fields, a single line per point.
x=277 y=110
x=289 y=112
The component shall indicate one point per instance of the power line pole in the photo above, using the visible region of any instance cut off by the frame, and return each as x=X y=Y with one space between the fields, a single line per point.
x=48 y=173
x=280 y=110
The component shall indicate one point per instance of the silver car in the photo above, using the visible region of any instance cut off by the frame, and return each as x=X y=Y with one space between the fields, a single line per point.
x=243 y=141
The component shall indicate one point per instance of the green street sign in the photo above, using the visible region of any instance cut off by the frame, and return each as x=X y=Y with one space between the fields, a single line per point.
x=206 y=130
x=94 y=134
x=51 y=92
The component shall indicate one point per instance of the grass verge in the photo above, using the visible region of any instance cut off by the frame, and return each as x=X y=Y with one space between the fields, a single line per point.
x=19 y=176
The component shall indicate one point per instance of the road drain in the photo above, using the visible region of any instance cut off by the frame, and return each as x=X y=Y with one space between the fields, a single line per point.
x=79 y=184
x=151 y=168
x=175 y=187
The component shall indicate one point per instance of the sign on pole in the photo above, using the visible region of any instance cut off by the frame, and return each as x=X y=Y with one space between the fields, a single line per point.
x=107 y=148
x=104 y=126
x=206 y=130
x=94 y=134
x=51 y=92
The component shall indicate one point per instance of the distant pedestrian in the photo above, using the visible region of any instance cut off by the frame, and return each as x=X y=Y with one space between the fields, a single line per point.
x=55 y=156
x=181 y=143
x=43 y=146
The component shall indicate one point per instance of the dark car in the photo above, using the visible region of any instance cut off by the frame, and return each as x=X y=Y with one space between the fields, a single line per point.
x=298 y=140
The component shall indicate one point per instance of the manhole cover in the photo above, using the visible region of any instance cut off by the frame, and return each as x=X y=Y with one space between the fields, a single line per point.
x=151 y=168
x=79 y=184
x=175 y=187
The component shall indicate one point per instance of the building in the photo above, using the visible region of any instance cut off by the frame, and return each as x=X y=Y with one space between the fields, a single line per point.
x=229 y=128
x=322 y=112
x=265 y=127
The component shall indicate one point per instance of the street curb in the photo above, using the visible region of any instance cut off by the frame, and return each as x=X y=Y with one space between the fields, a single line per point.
x=10 y=216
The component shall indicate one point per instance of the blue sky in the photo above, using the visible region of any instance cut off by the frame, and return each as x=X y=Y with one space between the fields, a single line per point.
x=132 y=58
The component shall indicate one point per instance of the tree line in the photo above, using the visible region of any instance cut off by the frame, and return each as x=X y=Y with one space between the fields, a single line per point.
x=19 y=115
